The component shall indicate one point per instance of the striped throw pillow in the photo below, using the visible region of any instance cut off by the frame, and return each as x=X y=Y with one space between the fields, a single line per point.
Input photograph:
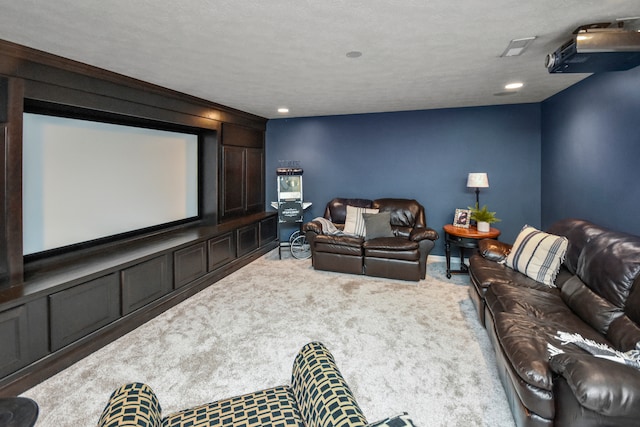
x=537 y=254
x=354 y=222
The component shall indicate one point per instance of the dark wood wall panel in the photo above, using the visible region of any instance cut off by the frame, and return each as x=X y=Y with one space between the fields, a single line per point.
x=241 y=136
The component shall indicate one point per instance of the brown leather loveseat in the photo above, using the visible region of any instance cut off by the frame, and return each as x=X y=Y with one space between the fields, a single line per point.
x=399 y=253
x=595 y=302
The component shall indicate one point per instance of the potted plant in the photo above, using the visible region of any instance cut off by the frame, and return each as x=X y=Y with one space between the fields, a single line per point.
x=483 y=217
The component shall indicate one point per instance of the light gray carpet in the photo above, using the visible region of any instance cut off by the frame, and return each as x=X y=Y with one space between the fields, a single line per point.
x=402 y=346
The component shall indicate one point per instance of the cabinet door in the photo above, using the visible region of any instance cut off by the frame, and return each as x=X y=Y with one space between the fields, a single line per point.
x=24 y=335
x=268 y=229
x=78 y=311
x=221 y=250
x=189 y=264
x=247 y=239
x=233 y=181
x=144 y=283
x=254 y=176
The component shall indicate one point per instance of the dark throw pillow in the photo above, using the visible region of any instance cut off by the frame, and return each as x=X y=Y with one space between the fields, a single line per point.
x=377 y=225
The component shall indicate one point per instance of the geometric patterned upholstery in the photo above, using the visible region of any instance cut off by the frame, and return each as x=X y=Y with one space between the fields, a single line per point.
x=323 y=396
x=271 y=407
x=318 y=397
x=132 y=405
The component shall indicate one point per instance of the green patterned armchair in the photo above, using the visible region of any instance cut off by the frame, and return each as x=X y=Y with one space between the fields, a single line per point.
x=318 y=397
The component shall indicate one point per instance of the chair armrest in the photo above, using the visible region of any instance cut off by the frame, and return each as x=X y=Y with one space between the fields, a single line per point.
x=494 y=250
x=314 y=226
x=422 y=233
x=604 y=386
x=132 y=404
x=322 y=394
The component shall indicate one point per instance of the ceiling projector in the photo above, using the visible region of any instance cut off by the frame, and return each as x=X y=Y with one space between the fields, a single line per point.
x=596 y=50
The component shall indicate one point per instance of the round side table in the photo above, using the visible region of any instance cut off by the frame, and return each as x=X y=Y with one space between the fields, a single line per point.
x=18 y=412
x=463 y=238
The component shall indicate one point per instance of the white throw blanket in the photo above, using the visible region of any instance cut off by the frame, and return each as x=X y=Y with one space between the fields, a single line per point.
x=629 y=358
x=328 y=227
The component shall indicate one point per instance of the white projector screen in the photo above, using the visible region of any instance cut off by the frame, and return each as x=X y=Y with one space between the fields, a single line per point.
x=85 y=180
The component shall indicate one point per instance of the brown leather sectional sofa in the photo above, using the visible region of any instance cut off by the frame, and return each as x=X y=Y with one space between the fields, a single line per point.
x=597 y=296
x=400 y=256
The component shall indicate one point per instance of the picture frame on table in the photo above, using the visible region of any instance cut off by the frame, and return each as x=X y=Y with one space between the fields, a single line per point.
x=462 y=218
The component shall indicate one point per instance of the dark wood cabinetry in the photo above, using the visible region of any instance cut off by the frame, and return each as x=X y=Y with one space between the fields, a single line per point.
x=221 y=250
x=24 y=335
x=189 y=264
x=57 y=309
x=83 y=309
x=242 y=171
x=144 y=283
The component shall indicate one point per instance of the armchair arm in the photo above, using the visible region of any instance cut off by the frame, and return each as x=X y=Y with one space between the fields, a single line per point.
x=604 y=386
x=133 y=404
x=493 y=250
x=422 y=233
x=314 y=226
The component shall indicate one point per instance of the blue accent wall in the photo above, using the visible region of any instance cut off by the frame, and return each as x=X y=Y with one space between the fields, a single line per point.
x=425 y=155
x=591 y=152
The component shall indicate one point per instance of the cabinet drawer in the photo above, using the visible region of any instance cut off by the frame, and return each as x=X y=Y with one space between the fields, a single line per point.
x=222 y=250
x=247 y=239
x=144 y=283
x=85 y=308
x=189 y=264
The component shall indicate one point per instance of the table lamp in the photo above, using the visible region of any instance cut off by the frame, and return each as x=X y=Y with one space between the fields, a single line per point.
x=478 y=180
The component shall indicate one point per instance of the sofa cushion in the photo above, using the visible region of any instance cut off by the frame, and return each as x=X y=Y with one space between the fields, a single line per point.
x=345 y=245
x=392 y=248
x=377 y=225
x=336 y=209
x=592 y=308
x=274 y=406
x=354 y=224
x=407 y=213
x=610 y=264
x=579 y=233
x=537 y=254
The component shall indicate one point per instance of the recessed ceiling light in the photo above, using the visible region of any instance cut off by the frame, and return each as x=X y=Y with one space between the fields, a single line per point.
x=514 y=85
x=354 y=54
x=283 y=110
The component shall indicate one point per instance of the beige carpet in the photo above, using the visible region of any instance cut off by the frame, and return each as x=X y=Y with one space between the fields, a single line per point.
x=402 y=346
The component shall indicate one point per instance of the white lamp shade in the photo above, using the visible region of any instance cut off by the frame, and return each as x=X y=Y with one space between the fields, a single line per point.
x=478 y=180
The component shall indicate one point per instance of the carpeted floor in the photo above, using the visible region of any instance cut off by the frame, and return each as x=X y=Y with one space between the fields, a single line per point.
x=402 y=346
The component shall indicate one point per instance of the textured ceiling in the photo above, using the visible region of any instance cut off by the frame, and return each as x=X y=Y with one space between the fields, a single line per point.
x=259 y=55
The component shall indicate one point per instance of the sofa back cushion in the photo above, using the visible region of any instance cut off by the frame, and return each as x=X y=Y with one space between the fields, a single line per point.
x=589 y=306
x=579 y=232
x=322 y=394
x=610 y=264
x=405 y=213
x=336 y=210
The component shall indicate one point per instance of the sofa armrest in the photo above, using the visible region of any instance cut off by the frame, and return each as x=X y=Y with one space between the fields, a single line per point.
x=494 y=250
x=422 y=233
x=314 y=226
x=604 y=386
x=133 y=404
x=323 y=396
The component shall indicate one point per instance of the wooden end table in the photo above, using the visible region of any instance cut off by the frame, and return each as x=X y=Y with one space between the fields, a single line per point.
x=463 y=238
